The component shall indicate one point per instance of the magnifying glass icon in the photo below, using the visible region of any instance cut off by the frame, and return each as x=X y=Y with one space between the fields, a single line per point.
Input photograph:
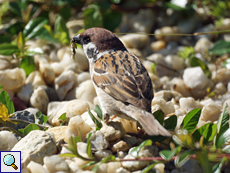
x=9 y=161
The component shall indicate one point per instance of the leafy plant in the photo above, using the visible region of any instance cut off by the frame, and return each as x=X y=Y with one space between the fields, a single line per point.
x=62 y=118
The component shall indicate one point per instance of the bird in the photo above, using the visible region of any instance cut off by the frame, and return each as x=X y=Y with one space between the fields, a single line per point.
x=122 y=83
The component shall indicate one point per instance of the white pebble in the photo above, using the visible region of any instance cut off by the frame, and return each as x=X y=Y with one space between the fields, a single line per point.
x=8 y=140
x=15 y=78
x=36 y=168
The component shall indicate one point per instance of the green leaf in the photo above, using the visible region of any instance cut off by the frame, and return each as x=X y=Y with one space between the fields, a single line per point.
x=159 y=115
x=93 y=16
x=220 y=47
x=8 y=49
x=153 y=67
x=168 y=154
x=224 y=138
x=191 y=119
x=34 y=27
x=61 y=32
x=29 y=128
x=173 y=6
x=135 y=151
x=5 y=99
x=67 y=155
x=96 y=122
x=217 y=167
x=62 y=118
x=202 y=157
x=89 y=146
x=187 y=52
x=97 y=109
x=114 y=16
x=222 y=125
x=182 y=158
x=196 y=62
x=41 y=117
x=1 y=87
x=89 y=164
x=208 y=131
x=148 y=168
x=171 y=122
x=21 y=42
x=78 y=137
x=104 y=160
x=27 y=64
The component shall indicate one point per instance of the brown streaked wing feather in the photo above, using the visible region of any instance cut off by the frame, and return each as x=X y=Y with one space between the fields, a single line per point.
x=121 y=81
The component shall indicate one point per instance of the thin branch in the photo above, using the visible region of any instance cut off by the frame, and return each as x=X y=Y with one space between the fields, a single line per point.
x=26 y=122
x=11 y=129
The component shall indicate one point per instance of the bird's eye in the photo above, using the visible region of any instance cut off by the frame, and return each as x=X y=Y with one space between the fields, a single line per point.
x=86 y=39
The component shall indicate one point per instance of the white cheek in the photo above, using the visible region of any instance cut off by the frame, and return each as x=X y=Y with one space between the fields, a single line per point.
x=89 y=46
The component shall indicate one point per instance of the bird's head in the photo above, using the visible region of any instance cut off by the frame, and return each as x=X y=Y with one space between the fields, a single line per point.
x=97 y=41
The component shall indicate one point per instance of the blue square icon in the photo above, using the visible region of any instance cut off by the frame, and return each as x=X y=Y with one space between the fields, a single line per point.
x=10 y=161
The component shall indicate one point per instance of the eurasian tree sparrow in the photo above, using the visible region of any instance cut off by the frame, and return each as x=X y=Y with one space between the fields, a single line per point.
x=122 y=83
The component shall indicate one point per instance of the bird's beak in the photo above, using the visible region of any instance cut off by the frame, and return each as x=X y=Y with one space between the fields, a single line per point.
x=76 y=39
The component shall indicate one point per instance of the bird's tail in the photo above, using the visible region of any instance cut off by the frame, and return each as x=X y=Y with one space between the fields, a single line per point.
x=147 y=121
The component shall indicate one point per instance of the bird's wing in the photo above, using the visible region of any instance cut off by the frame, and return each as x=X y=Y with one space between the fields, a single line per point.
x=122 y=76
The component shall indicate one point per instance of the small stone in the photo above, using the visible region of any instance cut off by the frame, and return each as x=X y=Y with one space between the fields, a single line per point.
x=61 y=52
x=5 y=64
x=100 y=154
x=168 y=95
x=36 y=79
x=71 y=108
x=178 y=85
x=133 y=165
x=122 y=170
x=53 y=56
x=225 y=24
x=8 y=140
x=64 y=83
x=53 y=108
x=86 y=91
x=210 y=112
x=88 y=120
x=113 y=166
x=26 y=93
x=57 y=67
x=113 y=131
x=55 y=163
x=73 y=67
x=102 y=168
x=47 y=73
x=21 y=115
x=35 y=146
x=120 y=146
x=222 y=75
x=203 y=45
x=15 y=78
x=167 y=30
x=158 y=45
x=131 y=140
x=161 y=104
x=147 y=151
x=34 y=167
x=192 y=166
x=59 y=132
x=195 y=78
x=189 y=104
x=98 y=141
x=121 y=154
x=51 y=93
x=129 y=126
x=159 y=168
x=73 y=166
x=162 y=67
x=220 y=88
x=74 y=125
x=84 y=76
x=39 y=99
x=175 y=62
x=188 y=25
x=138 y=41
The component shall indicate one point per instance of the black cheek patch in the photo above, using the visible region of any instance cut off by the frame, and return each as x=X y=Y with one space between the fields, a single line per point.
x=90 y=53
